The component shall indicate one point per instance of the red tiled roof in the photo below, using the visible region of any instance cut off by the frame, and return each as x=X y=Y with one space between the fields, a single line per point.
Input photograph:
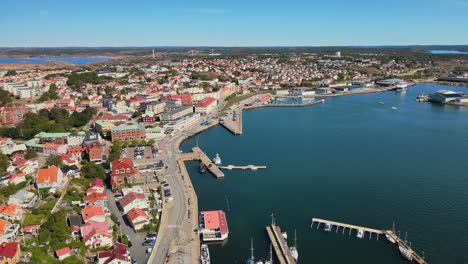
x=94 y=197
x=62 y=251
x=47 y=175
x=130 y=197
x=135 y=213
x=9 y=250
x=206 y=102
x=215 y=220
x=92 y=211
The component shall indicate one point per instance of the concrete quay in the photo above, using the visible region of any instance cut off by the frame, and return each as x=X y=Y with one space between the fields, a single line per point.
x=198 y=154
x=235 y=126
x=248 y=167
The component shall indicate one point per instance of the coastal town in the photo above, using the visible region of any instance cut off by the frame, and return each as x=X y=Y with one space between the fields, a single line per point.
x=90 y=165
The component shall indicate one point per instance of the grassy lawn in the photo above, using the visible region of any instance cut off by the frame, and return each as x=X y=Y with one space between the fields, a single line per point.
x=33 y=219
x=236 y=99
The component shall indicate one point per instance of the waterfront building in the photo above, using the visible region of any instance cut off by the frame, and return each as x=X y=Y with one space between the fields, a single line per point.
x=213 y=225
x=445 y=96
x=134 y=200
x=130 y=132
x=176 y=113
x=206 y=106
x=181 y=123
x=154 y=133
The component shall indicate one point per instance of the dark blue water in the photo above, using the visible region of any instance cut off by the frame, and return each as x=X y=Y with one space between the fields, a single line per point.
x=448 y=52
x=44 y=59
x=351 y=160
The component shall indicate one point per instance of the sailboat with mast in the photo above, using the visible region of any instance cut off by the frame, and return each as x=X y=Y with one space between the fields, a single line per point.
x=293 y=250
x=405 y=250
x=270 y=260
x=251 y=259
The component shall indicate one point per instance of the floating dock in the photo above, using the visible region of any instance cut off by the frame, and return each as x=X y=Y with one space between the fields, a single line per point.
x=198 y=154
x=279 y=245
x=248 y=167
x=416 y=258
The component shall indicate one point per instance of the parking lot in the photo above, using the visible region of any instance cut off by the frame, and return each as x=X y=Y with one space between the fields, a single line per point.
x=140 y=153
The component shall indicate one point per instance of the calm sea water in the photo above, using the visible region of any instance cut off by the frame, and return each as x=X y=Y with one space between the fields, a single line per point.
x=44 y=59
x=448 y=52
x=351 y=160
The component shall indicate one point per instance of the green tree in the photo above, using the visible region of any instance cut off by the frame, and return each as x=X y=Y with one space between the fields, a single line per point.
x=91 y=170
x=5 y=98
x=54 y=160
x=11 y=73
x=3 y=162
x=50 y=94
x=116 y=151
x=30 y=153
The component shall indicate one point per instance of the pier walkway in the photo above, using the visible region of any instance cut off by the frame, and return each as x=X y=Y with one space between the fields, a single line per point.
x=198 y=154
x=248 y=167
x=416 y=258
x=279 y=245
x=344 y=226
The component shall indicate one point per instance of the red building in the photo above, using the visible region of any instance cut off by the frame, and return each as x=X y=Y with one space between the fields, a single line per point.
x=12 y=115
x=123 y=171
x=95 y=153
x=186 y=99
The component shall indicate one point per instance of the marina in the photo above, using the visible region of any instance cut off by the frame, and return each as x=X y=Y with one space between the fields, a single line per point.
x=326 y=186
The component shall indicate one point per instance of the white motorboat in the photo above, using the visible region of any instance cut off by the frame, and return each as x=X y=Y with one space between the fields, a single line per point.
x=394 y=108
x=217 y=160
x=360 y=234
x=327 y=227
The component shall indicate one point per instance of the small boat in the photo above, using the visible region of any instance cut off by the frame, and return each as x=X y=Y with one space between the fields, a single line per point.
x=285 y=235
x=204 y=254
x=251 y=259
x=360 y=234
x=382 y=103
x=405 y=252
x=394 y=108
x=202 y=168
x=327 y=227
x=293 y=250
x=217 y=160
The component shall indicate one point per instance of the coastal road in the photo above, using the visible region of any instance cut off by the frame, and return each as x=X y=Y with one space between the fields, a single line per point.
x=177 y=232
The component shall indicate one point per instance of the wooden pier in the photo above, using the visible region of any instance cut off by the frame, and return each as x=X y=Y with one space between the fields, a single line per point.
x=279 y=245
x=399 y=242
x=248 y=167
x=198 y=154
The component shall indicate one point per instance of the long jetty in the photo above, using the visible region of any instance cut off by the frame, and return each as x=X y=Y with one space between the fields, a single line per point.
x=416 y=258
x=248 y=167
x=198 y=154
x=279 y=245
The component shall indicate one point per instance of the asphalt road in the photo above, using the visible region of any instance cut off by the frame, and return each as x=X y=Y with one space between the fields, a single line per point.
x=137 y=249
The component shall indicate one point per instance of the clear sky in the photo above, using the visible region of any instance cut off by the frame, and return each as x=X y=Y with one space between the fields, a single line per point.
x=32 y=23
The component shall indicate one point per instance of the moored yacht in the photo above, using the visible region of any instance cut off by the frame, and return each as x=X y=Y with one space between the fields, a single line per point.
x=405 y=252
x=270 y=260
x=327 y=227
x=204 y=254
x=251 y=259
x=360 y=233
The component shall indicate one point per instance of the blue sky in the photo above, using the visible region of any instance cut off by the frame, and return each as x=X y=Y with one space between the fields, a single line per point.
x=45 y=23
